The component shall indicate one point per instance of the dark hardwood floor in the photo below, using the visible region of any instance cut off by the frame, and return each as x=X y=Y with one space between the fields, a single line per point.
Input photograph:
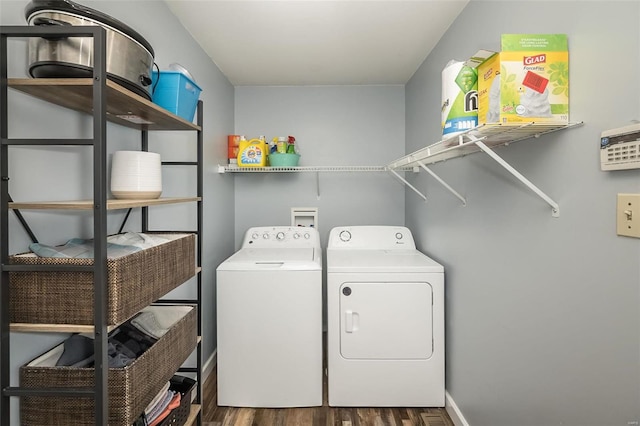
x=315 y=416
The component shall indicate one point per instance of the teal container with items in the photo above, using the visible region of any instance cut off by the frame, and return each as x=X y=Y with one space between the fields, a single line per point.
x=285 y=154
x=283 y=160
x=175 y=92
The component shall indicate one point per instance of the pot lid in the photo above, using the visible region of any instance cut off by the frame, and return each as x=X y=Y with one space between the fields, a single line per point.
x=84 y=11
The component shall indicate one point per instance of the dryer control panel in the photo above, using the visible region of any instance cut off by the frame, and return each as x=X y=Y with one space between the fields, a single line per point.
x=281 y=237
x=371 y=237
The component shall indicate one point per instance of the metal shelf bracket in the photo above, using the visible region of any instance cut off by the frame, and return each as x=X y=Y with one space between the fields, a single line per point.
x=555 y=209
x=403 y=180
x=442 y=182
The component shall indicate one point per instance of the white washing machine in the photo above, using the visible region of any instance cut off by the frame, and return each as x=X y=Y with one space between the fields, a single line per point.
x=269 y=320
x=385 y=320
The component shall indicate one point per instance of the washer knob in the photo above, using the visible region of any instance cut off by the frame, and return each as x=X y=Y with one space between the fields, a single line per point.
x=345 y=236
x=307 y=236
x=265 y=236
x=280 y=236
x=296 y=235
x=254 y=235
x=399 y=235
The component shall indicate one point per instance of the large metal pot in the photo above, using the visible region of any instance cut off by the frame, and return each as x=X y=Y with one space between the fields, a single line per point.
x=129 y=56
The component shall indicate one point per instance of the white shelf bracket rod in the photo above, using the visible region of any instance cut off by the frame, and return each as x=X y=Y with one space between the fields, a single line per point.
x=424 y=197
x=442 y=182
x=317 y=185
x=555 y=209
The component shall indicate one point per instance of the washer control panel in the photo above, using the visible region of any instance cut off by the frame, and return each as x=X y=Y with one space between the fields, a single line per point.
x=281 y=236
x=371 y=237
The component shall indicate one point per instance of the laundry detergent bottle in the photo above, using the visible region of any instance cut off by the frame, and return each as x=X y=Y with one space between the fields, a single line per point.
x=252 y=153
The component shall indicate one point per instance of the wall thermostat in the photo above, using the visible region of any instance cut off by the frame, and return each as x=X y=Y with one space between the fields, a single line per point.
x=620 y=148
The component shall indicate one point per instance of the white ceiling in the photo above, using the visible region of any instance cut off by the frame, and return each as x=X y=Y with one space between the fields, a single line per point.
x=317 y=42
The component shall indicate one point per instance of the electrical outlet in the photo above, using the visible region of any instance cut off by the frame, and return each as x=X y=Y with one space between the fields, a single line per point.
x=628 y=215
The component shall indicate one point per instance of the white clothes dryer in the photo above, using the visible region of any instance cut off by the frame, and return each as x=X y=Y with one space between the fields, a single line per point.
x=385 y=320
x=269 y=320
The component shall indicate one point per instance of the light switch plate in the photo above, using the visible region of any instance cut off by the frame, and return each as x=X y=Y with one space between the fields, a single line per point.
x=628 y=215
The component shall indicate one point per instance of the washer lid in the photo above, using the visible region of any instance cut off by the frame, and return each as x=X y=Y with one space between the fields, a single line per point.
x=380 y=261
x=300 y=259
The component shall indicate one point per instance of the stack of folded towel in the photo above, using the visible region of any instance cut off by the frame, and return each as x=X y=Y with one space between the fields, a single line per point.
x=117 y=246
x=161 y=406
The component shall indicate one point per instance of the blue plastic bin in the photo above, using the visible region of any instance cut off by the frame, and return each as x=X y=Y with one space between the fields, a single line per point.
x=176 y=92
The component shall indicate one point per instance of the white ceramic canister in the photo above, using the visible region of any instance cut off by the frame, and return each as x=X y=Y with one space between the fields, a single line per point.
x=136 y=175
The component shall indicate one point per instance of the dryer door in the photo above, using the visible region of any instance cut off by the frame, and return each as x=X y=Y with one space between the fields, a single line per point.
x=391 y=320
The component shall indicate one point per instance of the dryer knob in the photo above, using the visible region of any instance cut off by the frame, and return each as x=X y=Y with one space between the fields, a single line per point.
x=280 y=236
x=254 y=235
x=265 y=236
x=307 y=236
x=296 y=236
x=345 y=236
x=399 y=235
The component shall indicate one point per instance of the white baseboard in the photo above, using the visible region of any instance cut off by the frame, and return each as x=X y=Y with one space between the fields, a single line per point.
x=207 y=367
x=453 y=411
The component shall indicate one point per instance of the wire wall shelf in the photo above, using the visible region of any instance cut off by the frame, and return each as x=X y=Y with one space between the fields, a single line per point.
x=482 y=138
x=300 y=169
x=492 y=135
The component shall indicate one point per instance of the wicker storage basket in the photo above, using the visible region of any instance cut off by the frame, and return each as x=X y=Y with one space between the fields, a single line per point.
x=130 y=388
x=134 y=281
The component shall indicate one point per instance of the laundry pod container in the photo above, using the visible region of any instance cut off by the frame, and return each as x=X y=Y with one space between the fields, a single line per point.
x=129 y=55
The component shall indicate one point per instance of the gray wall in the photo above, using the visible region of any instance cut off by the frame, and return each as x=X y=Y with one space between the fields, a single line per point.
x=333 y=125
x=33 y=170
x=543 y=314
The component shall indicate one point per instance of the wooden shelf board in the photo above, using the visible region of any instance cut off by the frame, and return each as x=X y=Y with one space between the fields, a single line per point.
x=88 y=204
x=123 y=106
x=193 y=414
x=53 y=328
x=61 y=328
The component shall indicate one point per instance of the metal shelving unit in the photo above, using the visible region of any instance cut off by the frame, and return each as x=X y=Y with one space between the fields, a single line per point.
x=105 y=101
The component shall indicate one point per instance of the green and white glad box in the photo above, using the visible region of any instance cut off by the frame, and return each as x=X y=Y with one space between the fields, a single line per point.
x=528 y=81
